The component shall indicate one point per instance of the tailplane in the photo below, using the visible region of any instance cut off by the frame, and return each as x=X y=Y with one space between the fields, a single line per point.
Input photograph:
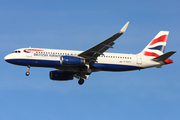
x=164 y=58
x=156 y=47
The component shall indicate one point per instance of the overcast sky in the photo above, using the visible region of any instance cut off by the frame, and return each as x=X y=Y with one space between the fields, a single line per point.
x=150 y=94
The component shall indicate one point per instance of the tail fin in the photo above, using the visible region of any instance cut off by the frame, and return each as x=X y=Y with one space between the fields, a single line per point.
x=156 y=47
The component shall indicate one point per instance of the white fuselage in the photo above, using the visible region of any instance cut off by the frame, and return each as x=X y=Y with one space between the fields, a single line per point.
x=38 y=57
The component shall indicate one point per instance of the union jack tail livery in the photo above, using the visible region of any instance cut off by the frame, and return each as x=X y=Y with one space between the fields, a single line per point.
x=156 y=47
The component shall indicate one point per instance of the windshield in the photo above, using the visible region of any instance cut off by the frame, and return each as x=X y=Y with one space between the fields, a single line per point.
x=17 y=51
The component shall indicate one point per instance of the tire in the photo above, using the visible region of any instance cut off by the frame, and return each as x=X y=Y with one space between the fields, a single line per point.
x=27 y=73
x=81 y=81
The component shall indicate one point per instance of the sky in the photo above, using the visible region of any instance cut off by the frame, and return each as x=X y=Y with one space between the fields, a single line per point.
x=152 y=93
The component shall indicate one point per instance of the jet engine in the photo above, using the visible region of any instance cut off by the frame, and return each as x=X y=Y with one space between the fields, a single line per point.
x=61 y=75
x=72 y=60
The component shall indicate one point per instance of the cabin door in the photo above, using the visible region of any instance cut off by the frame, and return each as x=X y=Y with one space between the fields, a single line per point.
x=139 y=59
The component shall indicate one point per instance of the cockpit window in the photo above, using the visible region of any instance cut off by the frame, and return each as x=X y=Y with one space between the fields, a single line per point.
x=17 y=51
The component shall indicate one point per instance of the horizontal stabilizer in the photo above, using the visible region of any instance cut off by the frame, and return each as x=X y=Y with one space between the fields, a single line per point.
x=164 y=56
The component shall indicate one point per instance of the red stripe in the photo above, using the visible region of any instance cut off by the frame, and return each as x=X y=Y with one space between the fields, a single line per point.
x=150 y=54
x=162 y=38
x=33 y=50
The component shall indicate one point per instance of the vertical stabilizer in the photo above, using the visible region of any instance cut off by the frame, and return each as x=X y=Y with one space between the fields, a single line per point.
x=156 y=47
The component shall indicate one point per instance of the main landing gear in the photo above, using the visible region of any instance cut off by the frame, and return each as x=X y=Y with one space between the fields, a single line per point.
x=81 y=81
x=28 y=69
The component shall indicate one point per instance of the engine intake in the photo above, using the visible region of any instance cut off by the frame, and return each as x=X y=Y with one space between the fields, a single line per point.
x=72 y=60
x=61 y=75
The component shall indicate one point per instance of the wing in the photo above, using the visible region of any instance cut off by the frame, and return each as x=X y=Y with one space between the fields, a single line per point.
x=91 y=54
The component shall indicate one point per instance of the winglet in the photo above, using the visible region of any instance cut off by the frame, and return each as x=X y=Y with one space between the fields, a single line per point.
x=124 y=28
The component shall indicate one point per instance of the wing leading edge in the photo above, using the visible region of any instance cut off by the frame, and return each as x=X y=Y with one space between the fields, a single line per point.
x=91 y=54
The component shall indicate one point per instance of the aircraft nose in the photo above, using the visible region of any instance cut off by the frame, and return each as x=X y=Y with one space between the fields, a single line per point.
x=7 y=58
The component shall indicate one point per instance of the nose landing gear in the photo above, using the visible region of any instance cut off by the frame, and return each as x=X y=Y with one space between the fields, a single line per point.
x=27 y=73
x=28 y=69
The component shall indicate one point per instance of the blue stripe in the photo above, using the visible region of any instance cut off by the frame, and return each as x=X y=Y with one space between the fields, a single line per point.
x=36 y=63
x=157 y=48
x=27 y=51
x=115 y=67
x=56 y=64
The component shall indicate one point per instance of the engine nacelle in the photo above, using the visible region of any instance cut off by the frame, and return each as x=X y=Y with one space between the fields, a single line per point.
x=61 y=75
x=72 y=60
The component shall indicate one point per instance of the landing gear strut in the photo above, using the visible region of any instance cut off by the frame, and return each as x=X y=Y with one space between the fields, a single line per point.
x=89 y=71
x=81 y=81
x=28 y=69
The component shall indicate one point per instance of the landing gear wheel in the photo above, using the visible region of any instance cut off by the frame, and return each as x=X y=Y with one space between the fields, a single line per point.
x=27 y=73
x=28 y=69
x=81 y=81
x=89 y=71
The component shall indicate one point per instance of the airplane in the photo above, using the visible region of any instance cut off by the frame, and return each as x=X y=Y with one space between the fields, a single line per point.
x=80 y=64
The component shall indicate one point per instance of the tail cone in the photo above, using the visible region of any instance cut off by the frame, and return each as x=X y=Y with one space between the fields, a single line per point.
x=168 y=61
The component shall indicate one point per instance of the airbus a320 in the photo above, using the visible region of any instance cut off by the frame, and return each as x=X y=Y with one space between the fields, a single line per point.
x=80 y=64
